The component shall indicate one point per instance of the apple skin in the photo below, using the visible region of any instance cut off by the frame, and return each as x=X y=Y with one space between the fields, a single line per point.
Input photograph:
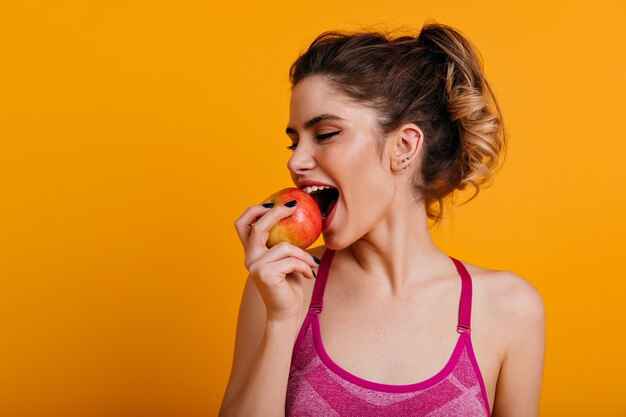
x=303 y=227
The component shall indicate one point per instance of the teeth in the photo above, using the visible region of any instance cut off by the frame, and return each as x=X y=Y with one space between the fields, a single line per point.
x=313 y=188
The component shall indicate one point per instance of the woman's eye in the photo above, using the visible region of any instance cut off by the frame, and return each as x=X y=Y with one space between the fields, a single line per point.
x=327 y=135
x=318 y=137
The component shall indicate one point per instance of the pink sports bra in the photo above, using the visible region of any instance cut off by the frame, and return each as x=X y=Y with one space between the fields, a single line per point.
x=318 y=387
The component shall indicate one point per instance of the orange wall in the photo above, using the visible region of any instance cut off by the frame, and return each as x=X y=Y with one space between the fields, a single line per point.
x=133 y=134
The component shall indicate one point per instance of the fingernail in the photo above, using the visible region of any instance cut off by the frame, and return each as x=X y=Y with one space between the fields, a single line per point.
x=316 y=260
x=268 y=205
x=291 y=203
x=314 y=274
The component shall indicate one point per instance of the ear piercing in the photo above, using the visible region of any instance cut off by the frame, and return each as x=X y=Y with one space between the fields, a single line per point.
x=407 y=158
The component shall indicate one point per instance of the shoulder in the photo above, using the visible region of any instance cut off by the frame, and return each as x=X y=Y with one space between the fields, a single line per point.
x=519 y=299
x=508 y=290
x=511 y=324
x=511 y=302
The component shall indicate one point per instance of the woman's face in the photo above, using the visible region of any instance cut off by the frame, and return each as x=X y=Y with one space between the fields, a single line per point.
x=341 y=151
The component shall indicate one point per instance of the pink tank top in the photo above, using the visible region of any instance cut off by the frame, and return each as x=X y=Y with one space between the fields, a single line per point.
x=318 y=387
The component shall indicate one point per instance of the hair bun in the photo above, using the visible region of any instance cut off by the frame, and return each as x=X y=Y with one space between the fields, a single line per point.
x=434 y=80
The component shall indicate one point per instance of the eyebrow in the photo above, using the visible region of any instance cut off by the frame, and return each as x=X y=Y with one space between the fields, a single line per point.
x=315 y=121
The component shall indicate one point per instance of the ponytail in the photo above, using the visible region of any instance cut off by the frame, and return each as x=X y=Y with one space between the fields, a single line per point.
x=471 y=104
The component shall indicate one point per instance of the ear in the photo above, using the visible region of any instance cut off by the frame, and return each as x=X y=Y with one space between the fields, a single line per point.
x=406 y=144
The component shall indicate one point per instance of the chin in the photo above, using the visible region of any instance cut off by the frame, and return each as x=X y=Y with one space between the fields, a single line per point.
x=333 y=242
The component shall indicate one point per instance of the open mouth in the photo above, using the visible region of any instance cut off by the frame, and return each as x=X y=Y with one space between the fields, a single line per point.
x=326 y=199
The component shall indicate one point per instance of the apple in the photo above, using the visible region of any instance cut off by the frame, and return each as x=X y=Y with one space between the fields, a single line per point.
x=303 y=227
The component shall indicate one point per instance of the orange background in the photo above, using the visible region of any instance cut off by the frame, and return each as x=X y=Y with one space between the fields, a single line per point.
x=133 y=134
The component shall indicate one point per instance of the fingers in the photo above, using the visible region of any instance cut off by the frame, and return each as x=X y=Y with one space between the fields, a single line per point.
x=286 y=250
x=244 y=223
x=270 y=271
x=288 y=265
x=260 y=231
x=283 y=250
x=253 y=229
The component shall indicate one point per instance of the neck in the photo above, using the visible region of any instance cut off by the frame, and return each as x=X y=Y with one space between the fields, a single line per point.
x=398 y=253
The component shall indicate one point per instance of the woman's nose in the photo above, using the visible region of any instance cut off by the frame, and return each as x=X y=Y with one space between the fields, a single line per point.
x=301 y=160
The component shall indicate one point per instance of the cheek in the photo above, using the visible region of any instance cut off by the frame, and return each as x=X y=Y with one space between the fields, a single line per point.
x=371 y=187
x=358 y=158
x=358 y=169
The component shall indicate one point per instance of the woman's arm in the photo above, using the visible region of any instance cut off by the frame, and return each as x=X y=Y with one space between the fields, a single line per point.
x=262 y=358
x=519 y=384
x=269 y=314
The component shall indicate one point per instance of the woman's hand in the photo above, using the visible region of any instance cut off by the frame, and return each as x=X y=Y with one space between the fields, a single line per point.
x=274 y=270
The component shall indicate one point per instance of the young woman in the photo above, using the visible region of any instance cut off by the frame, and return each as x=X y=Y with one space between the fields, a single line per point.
x=391 y=325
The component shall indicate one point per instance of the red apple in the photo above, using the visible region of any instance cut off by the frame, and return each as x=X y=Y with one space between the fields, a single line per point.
x=303 y=227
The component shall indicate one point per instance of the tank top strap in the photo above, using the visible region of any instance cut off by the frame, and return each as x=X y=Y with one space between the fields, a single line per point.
x=465 y=305
x=317 y=299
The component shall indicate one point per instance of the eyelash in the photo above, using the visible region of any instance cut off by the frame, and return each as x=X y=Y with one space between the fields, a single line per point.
x=319 y=137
